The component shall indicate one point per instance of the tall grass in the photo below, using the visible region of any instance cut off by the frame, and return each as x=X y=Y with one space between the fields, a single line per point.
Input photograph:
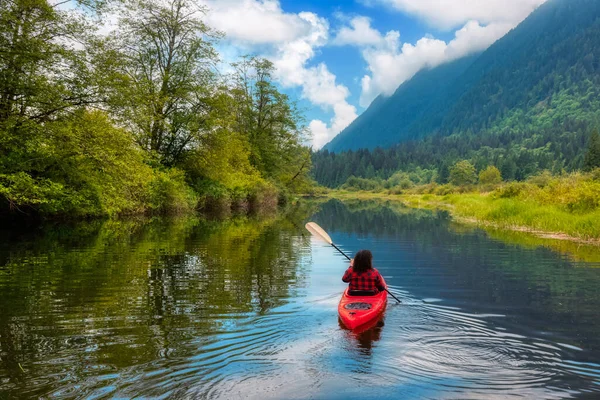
x=567 y=204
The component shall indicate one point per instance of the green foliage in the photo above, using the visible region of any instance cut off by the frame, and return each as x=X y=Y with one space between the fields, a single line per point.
x=163 y=75
x=509 y=191
x=462 y=173
x=592 y=157
x=518 y=155
x=83 y=165
x=569 y=204
x=542 y=179
x=175 y=136
x=354 y=183
x=270 y=122
x=169 y=193
x=490 y=176
x=22 y=190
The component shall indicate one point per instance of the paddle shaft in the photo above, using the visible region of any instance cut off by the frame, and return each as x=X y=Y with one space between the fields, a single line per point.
x=345 y=255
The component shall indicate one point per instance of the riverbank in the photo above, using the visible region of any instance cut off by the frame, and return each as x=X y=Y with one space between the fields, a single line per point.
x=562 y=208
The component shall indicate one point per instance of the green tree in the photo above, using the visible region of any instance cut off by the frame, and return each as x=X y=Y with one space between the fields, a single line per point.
x=490 y=176
x=165 y=65
x=592 y=157
x=462 y=173
x=444 y=174
x=271 y=123
x=508 y=169
x=42 y=76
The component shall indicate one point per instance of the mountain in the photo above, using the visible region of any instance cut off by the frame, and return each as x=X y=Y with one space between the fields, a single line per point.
x=404 y=110
x=542 y=73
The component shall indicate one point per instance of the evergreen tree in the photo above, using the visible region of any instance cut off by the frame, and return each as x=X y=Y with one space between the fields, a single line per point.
x=444 y=174
x=592 y=157
x=508 y=169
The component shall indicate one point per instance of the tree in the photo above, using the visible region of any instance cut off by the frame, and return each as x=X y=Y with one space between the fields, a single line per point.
x=444 y=174
x=592 y=157
x=42 y=75
x=508 y=169
x=462 y=173
x=166 y=60
x=270 y=122
x=490 y=176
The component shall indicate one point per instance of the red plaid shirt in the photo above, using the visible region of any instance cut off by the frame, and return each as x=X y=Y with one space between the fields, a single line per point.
x=368 y=280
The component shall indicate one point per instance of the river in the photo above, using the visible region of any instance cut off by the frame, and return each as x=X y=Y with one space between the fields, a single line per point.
x=247 y=308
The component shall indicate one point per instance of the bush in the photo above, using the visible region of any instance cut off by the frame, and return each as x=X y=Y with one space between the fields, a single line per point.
x=542 y=179
x=169 y=193
x=429 y=189
x=84 y=166
x=509 y=191
x=444 y=190
x=353 y=183
x=490 y=176
x=396 y=190
x=264 y=196
x=462 y=173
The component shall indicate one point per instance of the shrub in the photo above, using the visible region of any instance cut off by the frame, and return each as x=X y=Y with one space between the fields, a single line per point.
x=445 y=190
x=462 y=173
x=429 y=189
x=490 y=176
x=169 y=193
x=85 y=166
x=406 y=184
x=542 y=179
x=263 y=196
x=509 y=191
x=354 y=183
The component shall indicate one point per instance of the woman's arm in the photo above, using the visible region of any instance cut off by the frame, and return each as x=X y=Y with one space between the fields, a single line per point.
x=378 y=283
x=348 y=273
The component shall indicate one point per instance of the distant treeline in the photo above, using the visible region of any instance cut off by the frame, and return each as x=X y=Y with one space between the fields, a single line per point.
x=518 y=154
x=139 y=119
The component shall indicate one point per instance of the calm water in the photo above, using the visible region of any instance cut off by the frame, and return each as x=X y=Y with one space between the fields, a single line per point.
x=193 y=308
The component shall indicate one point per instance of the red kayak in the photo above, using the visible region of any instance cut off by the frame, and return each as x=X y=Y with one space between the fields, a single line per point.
x=356 y=311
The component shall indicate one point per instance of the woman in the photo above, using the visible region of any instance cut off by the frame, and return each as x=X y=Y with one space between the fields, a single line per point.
x=364 y=280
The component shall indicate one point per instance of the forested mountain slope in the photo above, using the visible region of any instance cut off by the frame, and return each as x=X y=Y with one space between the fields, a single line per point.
x=542 y=73
x=387 y=119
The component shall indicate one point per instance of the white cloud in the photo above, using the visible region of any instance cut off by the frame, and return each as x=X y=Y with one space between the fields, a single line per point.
x=254 y=21
x=391 y=63
x=318 y=84
x=290 y=41
x=358 y=33
x=447 y=14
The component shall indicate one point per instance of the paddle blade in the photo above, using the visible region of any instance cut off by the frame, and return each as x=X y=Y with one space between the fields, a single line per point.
x=317 y=231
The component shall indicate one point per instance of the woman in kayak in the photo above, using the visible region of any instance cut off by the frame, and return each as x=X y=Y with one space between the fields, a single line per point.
x=364 y=280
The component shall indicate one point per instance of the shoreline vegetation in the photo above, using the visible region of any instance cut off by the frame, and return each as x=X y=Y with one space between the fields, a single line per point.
x=138 y=120
x=565 y=207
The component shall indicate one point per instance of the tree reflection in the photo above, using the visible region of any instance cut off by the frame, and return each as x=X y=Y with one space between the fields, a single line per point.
x=76 y=300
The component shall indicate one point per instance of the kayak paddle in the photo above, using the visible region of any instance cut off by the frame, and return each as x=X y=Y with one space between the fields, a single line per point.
x=320 y=233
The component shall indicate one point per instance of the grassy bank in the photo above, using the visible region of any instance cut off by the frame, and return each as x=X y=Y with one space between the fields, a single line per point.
x=564 y=207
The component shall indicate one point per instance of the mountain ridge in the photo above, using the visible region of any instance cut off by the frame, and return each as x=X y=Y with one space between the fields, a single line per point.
x=531 y=77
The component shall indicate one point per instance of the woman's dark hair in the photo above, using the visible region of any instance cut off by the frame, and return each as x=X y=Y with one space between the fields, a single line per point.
x=363 y=261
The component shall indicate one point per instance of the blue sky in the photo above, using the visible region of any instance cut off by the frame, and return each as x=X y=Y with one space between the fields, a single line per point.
x=336 y=56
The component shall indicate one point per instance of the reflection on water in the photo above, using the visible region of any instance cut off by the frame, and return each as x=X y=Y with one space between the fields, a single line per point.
x=189 y=307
